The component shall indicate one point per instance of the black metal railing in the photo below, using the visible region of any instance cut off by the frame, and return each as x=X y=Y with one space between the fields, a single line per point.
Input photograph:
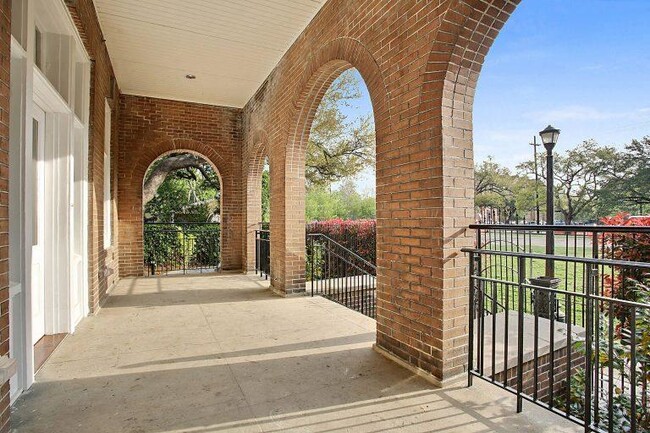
x=578 y=344
x=340 y=275
x=263 y=253
x=181 y=247
x=596 y=242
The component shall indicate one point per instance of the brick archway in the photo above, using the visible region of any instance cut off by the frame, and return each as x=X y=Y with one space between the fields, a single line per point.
x=436 y=342
x=258 y=153
x=288 y=182
x=131 y=211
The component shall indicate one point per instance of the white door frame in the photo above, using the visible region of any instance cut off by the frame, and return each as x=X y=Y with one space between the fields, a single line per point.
x=37 y=222
x=64 y=120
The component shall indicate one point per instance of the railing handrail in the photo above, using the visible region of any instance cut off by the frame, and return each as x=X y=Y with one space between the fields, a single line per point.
x=563 y=228
x=572 y=259
x=347 y=250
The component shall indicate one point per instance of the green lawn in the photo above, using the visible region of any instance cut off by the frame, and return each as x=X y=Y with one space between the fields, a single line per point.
x=571 y=275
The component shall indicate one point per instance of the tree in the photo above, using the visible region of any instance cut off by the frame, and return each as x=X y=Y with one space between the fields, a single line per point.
x=159 y=171
x=580 y=174
x=189 y=191
x=338 y=148
x=266 y=195
x=344 y=203
x=629 y=186
x=496 y=187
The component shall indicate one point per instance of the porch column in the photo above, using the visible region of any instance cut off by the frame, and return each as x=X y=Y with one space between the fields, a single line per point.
x=287 y=225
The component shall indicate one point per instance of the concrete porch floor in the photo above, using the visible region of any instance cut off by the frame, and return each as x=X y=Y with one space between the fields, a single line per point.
x=220 y=353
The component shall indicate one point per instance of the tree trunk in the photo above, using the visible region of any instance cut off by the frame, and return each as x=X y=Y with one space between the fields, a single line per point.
x=168 y=165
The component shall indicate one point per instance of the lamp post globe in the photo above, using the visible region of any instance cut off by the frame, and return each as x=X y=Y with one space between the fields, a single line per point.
x=549 y=137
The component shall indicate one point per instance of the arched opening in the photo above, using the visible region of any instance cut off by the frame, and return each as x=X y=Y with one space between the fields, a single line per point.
x=265 y=199
x=182 y=215
x=340 y=204
x=256 y=199
x=288 y=242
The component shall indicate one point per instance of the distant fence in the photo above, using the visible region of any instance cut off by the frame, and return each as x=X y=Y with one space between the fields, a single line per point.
x=181 y=247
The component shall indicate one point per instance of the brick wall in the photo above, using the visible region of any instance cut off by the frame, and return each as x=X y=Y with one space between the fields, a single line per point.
x=103 y=262
x=543 y=383
x=151 y=127
x=420 y=61
x=5 y=56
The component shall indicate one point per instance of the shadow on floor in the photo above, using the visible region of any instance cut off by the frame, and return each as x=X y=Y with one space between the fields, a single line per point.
x=319 y=392
x=281 y=348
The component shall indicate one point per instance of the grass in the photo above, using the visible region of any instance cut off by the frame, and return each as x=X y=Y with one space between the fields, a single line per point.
x=572 y=279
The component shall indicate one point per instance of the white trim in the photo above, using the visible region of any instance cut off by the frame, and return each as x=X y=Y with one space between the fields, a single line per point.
x=17 y=50
x=46 y=95
x=33 y=88
x=75 y=33
x=108 y=198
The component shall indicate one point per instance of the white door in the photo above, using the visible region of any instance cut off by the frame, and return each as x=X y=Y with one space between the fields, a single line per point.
x=37 y=223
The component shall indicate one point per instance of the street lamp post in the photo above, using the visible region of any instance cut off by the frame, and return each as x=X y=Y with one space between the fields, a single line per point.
x=549 y=139
x=546 y=304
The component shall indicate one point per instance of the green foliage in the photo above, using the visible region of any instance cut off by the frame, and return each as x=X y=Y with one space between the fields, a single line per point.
x=187 y=195
x=580 y=173
x=498 y=188
x=628 y=284
x=344 y=203
x=266 y=196
x=594 y=181
x=339 y=148
x=629 y=186
x=182 y=245
x=204 y=245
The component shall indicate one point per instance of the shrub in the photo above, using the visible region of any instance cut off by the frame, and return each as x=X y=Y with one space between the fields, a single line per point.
x=629 y=284
x=359 y=236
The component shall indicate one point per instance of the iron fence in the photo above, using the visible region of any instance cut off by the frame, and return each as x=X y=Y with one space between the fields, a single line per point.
x=263 y=253
x=340 y=275
x=577 y=344
x=181 y=247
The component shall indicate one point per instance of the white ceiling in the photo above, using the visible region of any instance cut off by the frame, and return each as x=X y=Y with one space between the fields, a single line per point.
x=230 y=45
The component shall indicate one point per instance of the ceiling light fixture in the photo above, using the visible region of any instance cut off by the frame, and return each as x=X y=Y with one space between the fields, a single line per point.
x=190 y=77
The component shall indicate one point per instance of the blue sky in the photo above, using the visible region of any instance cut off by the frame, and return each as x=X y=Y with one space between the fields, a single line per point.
x=581 y=65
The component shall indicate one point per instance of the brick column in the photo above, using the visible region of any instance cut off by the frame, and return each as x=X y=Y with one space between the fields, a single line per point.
x=254 y=157
x=420 y=61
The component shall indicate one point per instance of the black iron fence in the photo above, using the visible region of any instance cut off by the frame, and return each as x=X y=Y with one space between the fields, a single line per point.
x=181 y=247
x=263 y=253
x=340 y=275
x=578 y=343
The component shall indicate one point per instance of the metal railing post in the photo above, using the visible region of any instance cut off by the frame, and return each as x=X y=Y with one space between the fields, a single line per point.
x=520 y=333
x=589 y=336
x=313 y=254
x=470 y=350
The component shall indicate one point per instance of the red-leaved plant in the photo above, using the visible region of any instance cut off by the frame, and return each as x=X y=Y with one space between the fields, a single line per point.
x=635 y=247
x=359 y=236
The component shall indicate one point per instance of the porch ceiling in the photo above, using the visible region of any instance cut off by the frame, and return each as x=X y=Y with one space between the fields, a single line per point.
x=230 y=46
